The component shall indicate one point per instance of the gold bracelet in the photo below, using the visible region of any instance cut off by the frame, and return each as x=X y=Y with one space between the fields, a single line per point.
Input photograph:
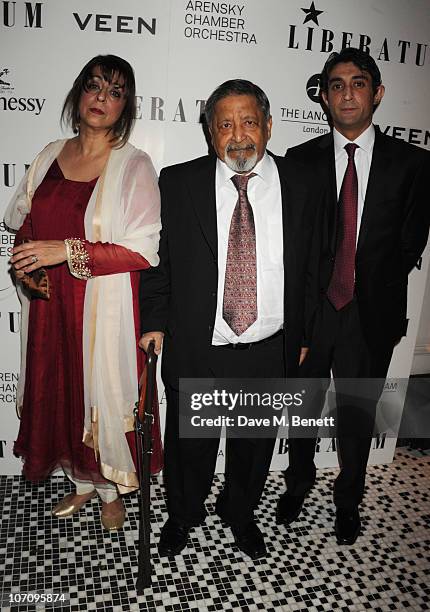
x=77 y=258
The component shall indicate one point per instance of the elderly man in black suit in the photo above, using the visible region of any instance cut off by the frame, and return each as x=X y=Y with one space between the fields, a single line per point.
x=229 y=298
x=377 y=226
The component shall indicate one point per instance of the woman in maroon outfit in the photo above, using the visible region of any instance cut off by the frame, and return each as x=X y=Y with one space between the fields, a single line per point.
x=88 y=211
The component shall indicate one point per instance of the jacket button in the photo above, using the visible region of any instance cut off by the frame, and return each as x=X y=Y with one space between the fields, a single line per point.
x=213 y=293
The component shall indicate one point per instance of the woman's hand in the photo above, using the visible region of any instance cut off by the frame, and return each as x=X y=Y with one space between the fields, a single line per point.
x=35 y=254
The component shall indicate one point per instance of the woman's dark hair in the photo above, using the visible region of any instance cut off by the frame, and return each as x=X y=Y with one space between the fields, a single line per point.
x=110 y=65
x=236 y=87
x=350 y=54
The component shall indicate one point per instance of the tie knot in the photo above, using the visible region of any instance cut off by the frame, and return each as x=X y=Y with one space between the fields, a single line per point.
x=350 y=149
x=240 y=181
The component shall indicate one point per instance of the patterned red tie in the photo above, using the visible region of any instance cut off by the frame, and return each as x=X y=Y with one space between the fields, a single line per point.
x=341 y=288
x=240 y=288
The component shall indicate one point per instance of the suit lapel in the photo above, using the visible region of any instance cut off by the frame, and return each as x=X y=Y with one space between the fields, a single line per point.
x=379 y=171
x=327 y=169
x=286 y=201
x=279 y=161
x=202 y=194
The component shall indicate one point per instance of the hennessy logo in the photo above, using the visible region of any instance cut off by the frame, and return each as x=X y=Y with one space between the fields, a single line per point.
x=9 y=103
x=2 y=72
x=5 y=81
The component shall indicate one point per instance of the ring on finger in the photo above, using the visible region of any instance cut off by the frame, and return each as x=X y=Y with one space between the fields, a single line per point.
x=34 y=259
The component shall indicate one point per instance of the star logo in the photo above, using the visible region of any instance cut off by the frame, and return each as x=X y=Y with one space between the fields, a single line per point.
x=312 y=14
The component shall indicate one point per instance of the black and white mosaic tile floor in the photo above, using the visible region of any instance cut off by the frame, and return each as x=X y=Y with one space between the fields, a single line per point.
x=387 y=569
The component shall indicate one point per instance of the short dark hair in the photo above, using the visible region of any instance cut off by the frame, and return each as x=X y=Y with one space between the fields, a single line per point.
x=360 y=58
x=109 y=66
x=236 y=87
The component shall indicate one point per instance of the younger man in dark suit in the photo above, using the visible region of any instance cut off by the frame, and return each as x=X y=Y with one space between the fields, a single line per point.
x=378 y=219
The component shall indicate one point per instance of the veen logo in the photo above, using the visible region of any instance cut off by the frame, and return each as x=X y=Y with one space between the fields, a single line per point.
x=30 y=14
x=122 y=24
x=414 y=136
x=325 y=41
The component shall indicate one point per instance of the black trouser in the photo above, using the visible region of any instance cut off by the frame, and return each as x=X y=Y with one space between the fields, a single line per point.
x=338 y=345
x=190 y=463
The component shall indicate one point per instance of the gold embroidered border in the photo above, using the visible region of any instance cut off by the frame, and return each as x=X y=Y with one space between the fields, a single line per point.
x=77 y=258
x=125 y=481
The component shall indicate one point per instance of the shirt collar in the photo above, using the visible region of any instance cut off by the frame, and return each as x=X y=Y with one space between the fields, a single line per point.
x=365 y=141
x=262 y=169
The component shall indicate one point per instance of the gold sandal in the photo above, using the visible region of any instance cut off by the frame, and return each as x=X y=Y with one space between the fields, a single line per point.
x=66 y=507
x=112 y=523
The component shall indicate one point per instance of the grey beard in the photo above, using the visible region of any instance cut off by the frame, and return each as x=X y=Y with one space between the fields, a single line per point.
x=241 y=163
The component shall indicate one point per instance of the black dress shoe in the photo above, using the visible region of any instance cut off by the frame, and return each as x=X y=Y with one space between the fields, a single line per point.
x=347 y=525
x=173 y=539
x=250 y=540
x=289 y=508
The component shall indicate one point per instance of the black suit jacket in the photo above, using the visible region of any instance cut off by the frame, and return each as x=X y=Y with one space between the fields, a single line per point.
x=393 y=231
x=179 y=297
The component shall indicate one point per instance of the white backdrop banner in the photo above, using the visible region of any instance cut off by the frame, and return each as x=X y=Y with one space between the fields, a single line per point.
x=181 y=50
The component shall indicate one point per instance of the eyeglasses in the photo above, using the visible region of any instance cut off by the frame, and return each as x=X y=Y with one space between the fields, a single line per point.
x=113 y=90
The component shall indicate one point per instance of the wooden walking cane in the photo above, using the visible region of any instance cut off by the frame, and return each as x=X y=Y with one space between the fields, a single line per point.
x=144 y=419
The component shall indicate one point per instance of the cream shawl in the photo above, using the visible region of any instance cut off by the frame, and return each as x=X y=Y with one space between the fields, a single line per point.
x=124 y=209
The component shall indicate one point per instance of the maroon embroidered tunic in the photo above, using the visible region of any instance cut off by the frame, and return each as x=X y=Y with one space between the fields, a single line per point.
x=51 y=429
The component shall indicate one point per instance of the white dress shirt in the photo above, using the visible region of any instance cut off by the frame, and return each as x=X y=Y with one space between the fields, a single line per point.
x=264 y=195
x=363 y=160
